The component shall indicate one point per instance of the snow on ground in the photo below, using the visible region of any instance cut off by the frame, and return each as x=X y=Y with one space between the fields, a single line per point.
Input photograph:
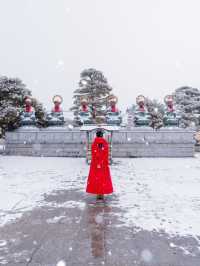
x=153 y=193
x=161 y=193
x=25 y=180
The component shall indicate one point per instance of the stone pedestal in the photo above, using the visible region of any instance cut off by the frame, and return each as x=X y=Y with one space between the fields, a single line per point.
x=52 y=141
x=136 y=142
x=146 y=142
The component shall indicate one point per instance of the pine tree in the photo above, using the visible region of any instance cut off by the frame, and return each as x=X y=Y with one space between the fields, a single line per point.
x=156 y=110
x=12 y=94
x=40 y=113
x=156 y=105
x=94 y=86
x=188 y=103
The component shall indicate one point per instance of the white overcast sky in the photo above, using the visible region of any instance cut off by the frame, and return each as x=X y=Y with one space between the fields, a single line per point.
x=145 y=47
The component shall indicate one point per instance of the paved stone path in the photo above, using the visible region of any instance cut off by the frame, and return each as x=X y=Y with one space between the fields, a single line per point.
x=57 y=234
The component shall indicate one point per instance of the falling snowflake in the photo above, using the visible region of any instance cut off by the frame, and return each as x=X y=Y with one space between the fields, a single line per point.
x=67 y=9
x=187 y=166
x=70 y=126
x=146 y=256
x=61 y=263
x=178 y=65
x=60 y=65
x=35 y=82
x=99 y=219
x=172 y=245
x=3 y=243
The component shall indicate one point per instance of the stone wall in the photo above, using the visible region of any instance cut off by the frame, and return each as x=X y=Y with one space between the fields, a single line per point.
x=197 y=148
x=46 y=142
x=137 y=142
x=2 y=146
x=146 y=142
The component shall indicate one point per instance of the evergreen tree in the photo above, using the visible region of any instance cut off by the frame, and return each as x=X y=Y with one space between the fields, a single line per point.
x=156 y=110
x=40 y=113
x=156 y=105
x=12 y=94
x=93 y=86
x=187 y=100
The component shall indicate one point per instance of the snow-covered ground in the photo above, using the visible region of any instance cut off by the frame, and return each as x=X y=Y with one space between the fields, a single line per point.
x=152 y=193
x=160 y=194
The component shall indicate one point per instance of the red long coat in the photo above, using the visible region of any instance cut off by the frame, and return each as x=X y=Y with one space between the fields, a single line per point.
x=99 y=179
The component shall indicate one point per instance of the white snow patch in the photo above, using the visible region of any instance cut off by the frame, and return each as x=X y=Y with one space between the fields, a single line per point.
x=69 y=204
x=8 y=217
x=183 y=249
x=55 y=219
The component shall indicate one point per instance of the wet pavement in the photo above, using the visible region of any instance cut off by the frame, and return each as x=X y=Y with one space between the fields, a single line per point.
x=74 y=229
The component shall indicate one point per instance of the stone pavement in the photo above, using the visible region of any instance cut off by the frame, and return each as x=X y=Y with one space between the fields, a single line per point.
x=62 y=234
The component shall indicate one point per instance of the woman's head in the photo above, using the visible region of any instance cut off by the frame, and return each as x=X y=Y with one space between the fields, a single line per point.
x=99 y=133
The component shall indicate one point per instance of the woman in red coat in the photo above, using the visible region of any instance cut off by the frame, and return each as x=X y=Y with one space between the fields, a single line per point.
x=99 y=179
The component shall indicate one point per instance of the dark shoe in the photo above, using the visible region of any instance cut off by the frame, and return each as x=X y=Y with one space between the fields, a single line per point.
x=100 y=197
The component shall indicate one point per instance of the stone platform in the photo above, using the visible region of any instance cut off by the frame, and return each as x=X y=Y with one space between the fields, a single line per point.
x=135 y=142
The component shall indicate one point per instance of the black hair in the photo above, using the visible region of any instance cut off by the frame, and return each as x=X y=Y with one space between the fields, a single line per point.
x=99 y=133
